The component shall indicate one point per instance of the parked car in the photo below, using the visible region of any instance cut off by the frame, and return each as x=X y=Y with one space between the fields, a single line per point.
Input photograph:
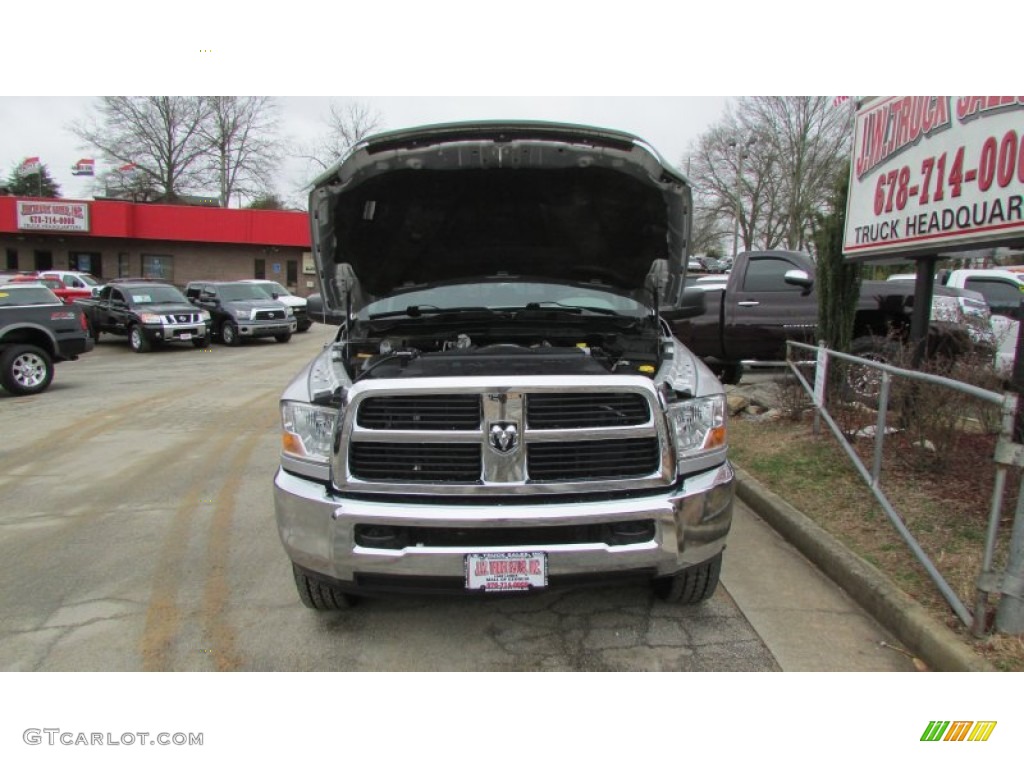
x=37 y=330
x=148 y=313
x=73 y=279
x=504 y=408
x=60 y=290
x=241 y=310
x=298 y=304
x=1003 y=292
x=9 y=275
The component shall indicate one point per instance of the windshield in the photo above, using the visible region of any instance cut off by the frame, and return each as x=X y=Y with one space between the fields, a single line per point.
x=507 y=295
x=273 y=287
x=89 y=280
x=156 y=294
x=243 y=292
x=26 y=295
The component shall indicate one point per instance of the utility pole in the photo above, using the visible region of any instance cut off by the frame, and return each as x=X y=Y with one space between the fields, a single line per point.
x=737 y=208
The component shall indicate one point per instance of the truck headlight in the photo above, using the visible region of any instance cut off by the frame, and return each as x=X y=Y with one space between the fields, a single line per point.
x=698 y=424
x=243 y=314
x=288 y=312
x=204 y=316
x=307 y=430
x=149 y=318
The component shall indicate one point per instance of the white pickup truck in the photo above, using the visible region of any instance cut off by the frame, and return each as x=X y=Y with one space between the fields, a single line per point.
x=1003 y=291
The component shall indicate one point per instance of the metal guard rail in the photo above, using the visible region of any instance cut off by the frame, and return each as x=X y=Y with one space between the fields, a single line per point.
x=1010 y=584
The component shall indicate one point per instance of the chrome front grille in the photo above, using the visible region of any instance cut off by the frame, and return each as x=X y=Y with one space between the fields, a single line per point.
x=593 y=459
x=429 y=412
x=531 y=435
x=269 y=314
x=181 y=318
x=577 y=410
x=415 y=462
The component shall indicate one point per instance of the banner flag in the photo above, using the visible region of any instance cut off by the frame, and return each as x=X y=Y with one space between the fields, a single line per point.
x=29 y=166
x=84 y=167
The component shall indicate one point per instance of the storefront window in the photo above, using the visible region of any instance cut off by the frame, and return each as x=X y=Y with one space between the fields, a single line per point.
x=158 y=266
x=42 y=260
x=124 y=266
x=79 y=261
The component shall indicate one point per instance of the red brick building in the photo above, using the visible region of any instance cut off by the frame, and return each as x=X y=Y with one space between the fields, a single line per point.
x=179 y=243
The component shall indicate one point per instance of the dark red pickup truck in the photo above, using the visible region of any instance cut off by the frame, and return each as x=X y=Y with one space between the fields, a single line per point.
x=769 y=297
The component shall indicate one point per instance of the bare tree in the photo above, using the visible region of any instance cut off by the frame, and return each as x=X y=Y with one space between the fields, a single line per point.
x=160 y=135
x=244 y=151
x=732 y=175
x=768 y=165
x=348 y=123
x=810 y=138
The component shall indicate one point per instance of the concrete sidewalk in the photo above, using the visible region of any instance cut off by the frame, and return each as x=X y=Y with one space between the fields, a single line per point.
x=827 y=608
x=808 y=623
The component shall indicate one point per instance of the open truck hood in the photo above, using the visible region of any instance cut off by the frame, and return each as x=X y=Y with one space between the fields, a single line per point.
x=462 y=201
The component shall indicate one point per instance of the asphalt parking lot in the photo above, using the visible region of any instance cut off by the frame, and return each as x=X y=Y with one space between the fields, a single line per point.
x=137 y=533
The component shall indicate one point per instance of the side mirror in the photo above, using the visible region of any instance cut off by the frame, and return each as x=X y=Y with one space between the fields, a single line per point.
x=275 y=295
x=693 y=304
x=798 y=277
x=315 y=310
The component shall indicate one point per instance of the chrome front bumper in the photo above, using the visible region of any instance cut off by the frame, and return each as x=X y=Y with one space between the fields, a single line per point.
x=318 y=531
x=266 y=329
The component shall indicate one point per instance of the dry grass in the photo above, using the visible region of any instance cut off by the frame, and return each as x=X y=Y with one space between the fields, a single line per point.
x=946 y=508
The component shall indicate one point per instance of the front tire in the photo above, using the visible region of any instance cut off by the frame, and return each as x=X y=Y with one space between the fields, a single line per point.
x=137 y=339
x=731 y=374
x=692 y=586
x=201 y=342
x=319 y=595
x=283 y=338
x=229 y=334
x=26 y=369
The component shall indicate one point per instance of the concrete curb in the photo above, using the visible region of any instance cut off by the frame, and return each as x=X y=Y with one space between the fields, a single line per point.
x=933 y=643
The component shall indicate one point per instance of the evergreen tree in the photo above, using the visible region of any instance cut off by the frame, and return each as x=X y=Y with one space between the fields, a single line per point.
x=39 y=184
x=838 y=280
x=268 y=201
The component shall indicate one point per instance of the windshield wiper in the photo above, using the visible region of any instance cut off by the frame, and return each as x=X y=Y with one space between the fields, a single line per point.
x=557 y=306
x=421 y=310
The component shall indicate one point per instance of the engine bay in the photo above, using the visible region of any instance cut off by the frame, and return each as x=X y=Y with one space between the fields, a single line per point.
x=505 y=352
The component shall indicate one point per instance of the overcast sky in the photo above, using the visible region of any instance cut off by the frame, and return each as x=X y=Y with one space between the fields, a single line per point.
x=659 y=70
x=37 y=126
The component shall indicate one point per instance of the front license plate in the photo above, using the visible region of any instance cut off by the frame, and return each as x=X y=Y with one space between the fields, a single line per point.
x=185 y=336
x=507 y=571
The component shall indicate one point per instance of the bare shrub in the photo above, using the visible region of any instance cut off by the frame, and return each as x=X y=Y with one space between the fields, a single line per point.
x=793 y=400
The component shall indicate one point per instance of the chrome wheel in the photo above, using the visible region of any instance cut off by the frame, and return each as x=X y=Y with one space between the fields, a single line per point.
x=25 y=369
x=29 y=370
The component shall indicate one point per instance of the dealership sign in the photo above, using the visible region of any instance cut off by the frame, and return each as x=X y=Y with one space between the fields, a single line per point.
x=935 y=173
x=54 y=216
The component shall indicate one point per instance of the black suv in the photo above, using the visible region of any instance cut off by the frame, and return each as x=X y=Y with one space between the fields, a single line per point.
x=148 y=312
x=242 y=310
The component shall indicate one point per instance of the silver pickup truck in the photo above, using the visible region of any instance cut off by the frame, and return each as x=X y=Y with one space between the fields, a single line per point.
x=504 y=408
